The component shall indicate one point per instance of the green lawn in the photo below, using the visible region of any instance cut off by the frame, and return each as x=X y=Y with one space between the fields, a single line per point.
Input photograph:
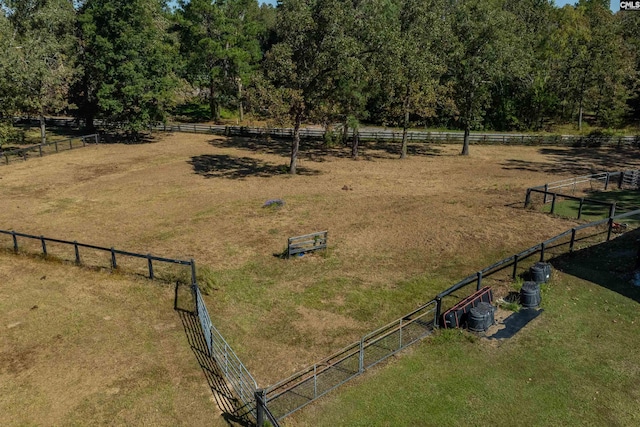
x=626 y=200
x=576 y=364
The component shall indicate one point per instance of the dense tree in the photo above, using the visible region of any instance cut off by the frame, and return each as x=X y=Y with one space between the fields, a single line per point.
x=220 y=40
x=41 y=59
x=128 y=61
x=484 y=44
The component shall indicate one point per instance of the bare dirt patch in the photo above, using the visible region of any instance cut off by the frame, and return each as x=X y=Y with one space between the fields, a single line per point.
x=400 y=233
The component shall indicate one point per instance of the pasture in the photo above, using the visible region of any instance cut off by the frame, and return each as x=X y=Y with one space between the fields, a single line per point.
x=399 y=231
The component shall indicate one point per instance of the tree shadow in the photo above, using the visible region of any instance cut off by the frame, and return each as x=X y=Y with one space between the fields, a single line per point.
x=609 y=264
x=233 y=410
x=232 y=167
x=316 y=150
x=392 y=149
x=578 y=161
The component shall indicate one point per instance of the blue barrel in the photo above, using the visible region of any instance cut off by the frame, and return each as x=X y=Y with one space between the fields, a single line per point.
x=481 y=317
x=530 y=295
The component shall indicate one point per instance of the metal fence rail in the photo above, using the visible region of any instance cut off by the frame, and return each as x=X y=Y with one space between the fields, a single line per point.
x=302 y=388
x=236 y=374
x=48 y=148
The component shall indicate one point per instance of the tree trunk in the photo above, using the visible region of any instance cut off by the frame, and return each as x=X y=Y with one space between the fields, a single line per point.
x=345 y=131
x=43 y=129
x=214 y=109
x=354 y=144
x=405 y=125
x=580 y=117
x=465 y=142
x=295 y=145
x=240 y=106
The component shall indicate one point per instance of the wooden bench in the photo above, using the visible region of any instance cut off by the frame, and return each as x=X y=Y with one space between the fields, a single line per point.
x=456 y=316
x=307 y=243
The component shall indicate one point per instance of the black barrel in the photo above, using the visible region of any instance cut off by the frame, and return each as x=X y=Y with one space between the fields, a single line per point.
x=540 y=272
x=530 y=295
x=481 y=317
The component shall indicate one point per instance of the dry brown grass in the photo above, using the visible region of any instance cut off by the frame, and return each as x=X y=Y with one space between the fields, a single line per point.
x=86 y=348
x=399 y=233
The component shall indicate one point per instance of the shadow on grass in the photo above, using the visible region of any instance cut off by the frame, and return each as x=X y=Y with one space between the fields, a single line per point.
x=233 y=410
x=609 y=264
x=317 y=150
x=515 y=322
x=232 y=167
x=578 y=161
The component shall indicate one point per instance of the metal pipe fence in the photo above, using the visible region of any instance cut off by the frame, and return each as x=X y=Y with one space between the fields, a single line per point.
x=51 y=147
x=307 y=385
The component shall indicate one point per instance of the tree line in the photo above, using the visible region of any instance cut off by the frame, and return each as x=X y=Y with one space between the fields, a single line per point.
x=458 y=64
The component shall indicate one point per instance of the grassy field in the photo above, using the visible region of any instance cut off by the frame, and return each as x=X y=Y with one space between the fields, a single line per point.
x=87 y=348
x=626 y=200
x=399 y=231
x=575 y=364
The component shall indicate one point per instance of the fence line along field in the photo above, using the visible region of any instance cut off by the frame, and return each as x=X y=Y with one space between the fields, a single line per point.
x=90 y=348
x=401 y=231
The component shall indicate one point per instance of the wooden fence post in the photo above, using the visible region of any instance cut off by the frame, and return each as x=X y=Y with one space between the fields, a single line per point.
x=56 y=145
x=606 y=182
x=515 y=266
x=44 y=246
x=77 y=251
x=573 y=239
x=150 y=263
x=621 y=180
x=114 y=265
x=553 y=203
x=259 y=395
x=479 y=280
x=542 y=252
x=193 y=272
x=436 y=320
x=580 y=207
x=527 y=199
x=612 y=210
x=15 y=241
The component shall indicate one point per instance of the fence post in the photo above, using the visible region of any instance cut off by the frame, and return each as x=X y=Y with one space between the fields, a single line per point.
x=259 y=395
x=612 y=210
x=77 y=251
x=150 y=262
x=621 y=180
x=573 y=239
x=361 y=357
x=84 y=143
x=15 y=241
x=44 y=246
x=56 y=144
x=527 y=199
x=606 y=182
x=553 y=203
x=580 y=207
x=70 y=143
x=6 y=158
x=315 y=381
x=193 y=272
x=479 y=280
x=546 y=189
x=40 y=149
x=436 y=321
x=97 y=138
x=610 y=229
x=542 y=252
x=114 y=265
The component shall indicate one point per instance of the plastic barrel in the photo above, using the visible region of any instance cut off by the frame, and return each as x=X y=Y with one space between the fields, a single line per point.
x=540 y=272
x=481 y=317
x=530 y=295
